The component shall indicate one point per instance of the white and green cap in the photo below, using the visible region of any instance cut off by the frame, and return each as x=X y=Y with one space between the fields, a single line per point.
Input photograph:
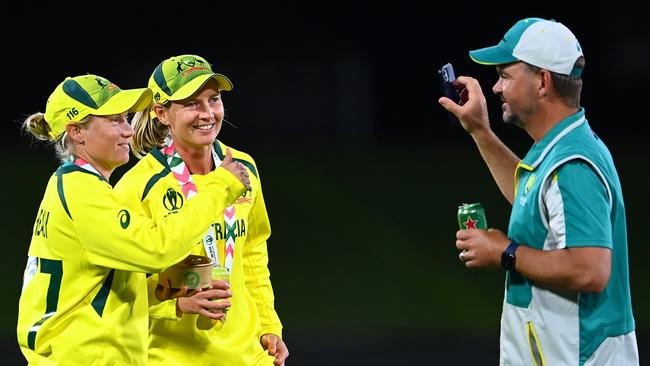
x=543 y=43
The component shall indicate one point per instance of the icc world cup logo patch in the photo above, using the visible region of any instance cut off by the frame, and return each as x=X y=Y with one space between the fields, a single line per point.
x=173 y=200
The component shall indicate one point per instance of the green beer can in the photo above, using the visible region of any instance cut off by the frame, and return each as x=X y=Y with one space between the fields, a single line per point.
x=471 y=216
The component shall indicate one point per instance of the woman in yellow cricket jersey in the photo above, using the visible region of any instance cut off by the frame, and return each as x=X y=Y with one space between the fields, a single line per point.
x=83 y=300
x=180 y=146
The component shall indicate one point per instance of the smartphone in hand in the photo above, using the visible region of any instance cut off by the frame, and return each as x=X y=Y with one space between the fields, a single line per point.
x=447 y=76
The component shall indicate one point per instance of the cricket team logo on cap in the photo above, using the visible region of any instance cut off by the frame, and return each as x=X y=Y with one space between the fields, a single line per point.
x=179 y=77
x=92 y=91
x=77 y=97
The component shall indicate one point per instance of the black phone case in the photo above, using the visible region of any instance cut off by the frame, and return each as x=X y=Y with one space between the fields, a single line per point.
x=447 y=76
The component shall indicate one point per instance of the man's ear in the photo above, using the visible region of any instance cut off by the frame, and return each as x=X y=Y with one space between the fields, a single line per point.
x=545 y=82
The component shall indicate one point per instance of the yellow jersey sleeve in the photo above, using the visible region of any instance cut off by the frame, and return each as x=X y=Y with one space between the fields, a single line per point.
x=115 y=238
x=160 y=309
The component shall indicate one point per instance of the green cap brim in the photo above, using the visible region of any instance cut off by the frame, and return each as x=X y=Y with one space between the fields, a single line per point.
x=494 y=55
x=129 y=100
x=197 y=83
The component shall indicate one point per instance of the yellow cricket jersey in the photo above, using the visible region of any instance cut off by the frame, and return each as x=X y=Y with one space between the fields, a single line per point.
x=177 y=341
x=84 y=299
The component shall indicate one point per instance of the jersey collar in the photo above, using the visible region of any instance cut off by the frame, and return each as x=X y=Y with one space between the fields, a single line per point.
x=69 y=167
x=538 y=152
x=160 y=157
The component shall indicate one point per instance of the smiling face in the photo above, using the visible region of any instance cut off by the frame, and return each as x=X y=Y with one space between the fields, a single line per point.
x=103 y=141
x=517 y=88
x=196 y=121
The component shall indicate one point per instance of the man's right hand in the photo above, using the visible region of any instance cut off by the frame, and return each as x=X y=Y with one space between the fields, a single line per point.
x=472 y=111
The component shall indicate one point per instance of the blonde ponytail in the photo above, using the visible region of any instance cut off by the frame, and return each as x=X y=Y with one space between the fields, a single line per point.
x=40 y=129
x=148 y=133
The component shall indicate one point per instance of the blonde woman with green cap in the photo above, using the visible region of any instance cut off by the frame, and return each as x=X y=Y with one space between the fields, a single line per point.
x=83 y=299
x=177 y=142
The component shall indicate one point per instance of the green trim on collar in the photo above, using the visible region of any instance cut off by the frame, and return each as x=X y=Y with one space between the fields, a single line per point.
x=65 y=169
x=155 y=152
x=71 y=167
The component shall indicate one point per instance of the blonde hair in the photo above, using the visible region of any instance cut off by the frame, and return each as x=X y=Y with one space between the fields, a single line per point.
x=40 y=129
x=149 y=133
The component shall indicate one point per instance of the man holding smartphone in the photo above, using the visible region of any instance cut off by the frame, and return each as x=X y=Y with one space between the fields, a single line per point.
x=567 y=298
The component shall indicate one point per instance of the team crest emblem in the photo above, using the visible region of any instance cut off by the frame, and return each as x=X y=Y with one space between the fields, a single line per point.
x=529 y=183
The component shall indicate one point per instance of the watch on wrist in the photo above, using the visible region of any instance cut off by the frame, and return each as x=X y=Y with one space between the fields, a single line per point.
x=508 y=256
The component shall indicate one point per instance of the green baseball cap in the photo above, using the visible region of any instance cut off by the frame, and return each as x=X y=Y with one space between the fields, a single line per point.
x=540 y=42
x=179 y=77
x=78 y=97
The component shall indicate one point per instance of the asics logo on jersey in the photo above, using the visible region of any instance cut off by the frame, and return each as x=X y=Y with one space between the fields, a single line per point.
x=125 y=218
x=173 y=200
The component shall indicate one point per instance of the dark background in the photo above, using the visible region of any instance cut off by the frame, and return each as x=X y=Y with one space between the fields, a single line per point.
x=362 y=170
